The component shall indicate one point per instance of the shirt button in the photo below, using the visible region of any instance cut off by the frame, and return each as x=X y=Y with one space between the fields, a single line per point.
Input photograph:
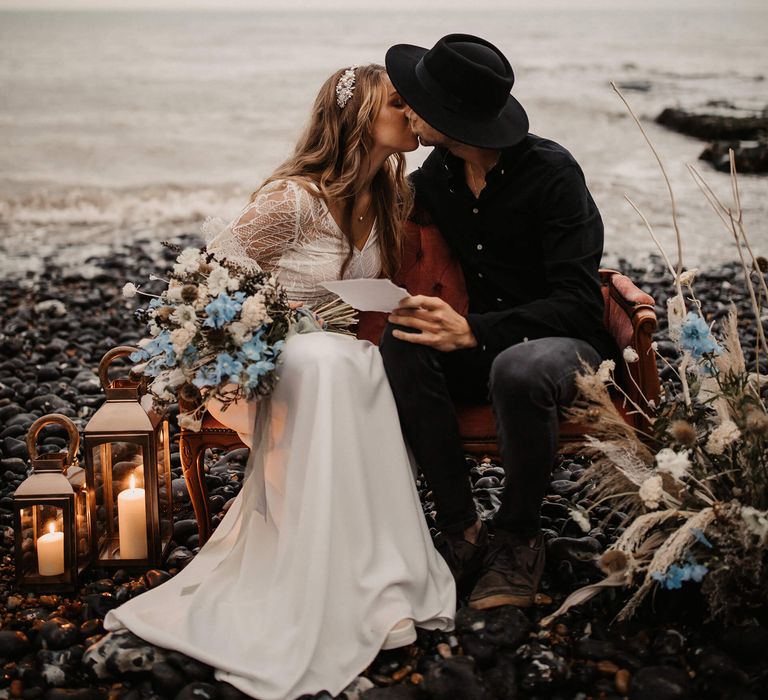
x=479 y=246
x=475 y=210
x=480 y=275
x=499 y=299
x=502 y=172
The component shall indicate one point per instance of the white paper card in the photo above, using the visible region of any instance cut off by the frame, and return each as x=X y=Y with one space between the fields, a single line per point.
x=368 y=294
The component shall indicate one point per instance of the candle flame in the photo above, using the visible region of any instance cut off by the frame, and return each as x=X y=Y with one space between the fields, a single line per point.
x=132 y=482
x=51 y=528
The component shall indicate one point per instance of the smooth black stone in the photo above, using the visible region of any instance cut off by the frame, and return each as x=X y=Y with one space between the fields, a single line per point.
x=501 y=680
x=480 y=649
x=564 y=488
x=505 y=627
x=659 y=683
x=190 y=668
x=395 y=692
x=58 y=633
x=748 y=643
x=166 y=679
x=99 y=604
x=668 y=643
x=182 y=529
x=197 y=691
x=13 y=645
x=179 y=490
x=76 y=694
x=453 y=678
x=155 y=577
x=89 y=628
x=216 y=503
x=717 y=668
x=179 y=558
x=15 y=448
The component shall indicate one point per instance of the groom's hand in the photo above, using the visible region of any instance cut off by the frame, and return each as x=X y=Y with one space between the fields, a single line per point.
x=436 y=323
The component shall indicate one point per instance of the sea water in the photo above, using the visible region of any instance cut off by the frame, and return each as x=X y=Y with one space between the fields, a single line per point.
x=117 y=125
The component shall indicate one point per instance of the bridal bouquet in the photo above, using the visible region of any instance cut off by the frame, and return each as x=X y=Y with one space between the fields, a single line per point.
x=216 y=331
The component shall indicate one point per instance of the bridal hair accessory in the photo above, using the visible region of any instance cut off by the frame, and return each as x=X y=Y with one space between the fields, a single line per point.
x=345 y=87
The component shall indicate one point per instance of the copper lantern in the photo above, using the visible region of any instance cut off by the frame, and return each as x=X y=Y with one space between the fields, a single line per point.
x=128 y=466
x=51 y=515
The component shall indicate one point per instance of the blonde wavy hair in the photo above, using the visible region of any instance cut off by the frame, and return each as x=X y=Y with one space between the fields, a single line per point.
x=331 y=152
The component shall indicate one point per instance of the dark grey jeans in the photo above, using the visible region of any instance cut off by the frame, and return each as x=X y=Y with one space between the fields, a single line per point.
x=527 y=385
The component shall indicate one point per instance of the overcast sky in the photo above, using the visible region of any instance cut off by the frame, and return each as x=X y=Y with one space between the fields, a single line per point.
x=367 y=5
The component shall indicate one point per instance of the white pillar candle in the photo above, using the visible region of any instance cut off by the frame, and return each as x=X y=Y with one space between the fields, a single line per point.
x=50 y=553
x=132 y=522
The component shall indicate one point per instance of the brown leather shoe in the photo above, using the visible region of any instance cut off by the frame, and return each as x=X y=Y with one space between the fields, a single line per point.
x=513 y=571
x=464 y=559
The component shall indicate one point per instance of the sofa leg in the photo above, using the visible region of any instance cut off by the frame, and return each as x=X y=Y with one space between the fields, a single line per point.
x=193 y=467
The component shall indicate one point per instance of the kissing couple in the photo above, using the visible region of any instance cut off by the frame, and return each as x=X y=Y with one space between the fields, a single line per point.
x=301 y=598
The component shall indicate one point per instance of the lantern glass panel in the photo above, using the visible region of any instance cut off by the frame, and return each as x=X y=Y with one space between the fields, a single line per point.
x=114 y=463
x=44 y=545
x=165 y=498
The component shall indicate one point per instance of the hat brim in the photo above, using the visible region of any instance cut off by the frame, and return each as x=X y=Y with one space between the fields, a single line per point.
x=506 y=129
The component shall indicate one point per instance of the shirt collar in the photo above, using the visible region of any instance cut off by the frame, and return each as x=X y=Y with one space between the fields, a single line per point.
x=453 y=166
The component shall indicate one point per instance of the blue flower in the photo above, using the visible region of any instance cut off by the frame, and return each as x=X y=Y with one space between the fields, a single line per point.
x=701 y=538
x=207 y=375
x=257 y=370
x=190 y=354
x=255 y=348
x=155 y=303
x=675 y=575
x=138 y=356
x=671 y=579
x=223 y=309
x=695 y=572
x=228 y=367
x=696 y=337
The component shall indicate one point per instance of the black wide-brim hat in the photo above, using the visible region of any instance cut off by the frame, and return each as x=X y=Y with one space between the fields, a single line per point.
x=461 y=88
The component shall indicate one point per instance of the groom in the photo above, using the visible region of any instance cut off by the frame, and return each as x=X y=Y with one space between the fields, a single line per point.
x=516 y=211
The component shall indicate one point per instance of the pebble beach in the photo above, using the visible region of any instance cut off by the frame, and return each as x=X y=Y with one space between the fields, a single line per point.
x=54 y=331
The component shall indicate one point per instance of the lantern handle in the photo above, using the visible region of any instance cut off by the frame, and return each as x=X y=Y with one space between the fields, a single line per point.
x=54 y=419
x=109 y=357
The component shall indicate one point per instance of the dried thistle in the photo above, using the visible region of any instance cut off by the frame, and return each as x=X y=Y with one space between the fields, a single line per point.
x=683 y=432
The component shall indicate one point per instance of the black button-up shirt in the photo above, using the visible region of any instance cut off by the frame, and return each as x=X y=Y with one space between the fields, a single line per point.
x=530 y=244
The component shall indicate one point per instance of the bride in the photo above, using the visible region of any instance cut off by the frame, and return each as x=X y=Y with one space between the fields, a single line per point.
x=298 y=594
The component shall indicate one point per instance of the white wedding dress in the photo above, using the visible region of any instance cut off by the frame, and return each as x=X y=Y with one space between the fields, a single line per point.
x=302 y=600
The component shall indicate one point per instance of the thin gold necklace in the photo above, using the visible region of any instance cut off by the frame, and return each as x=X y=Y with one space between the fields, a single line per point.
x=367 y=209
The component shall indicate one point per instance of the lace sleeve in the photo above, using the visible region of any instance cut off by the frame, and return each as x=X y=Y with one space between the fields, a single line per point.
x=279 y=217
